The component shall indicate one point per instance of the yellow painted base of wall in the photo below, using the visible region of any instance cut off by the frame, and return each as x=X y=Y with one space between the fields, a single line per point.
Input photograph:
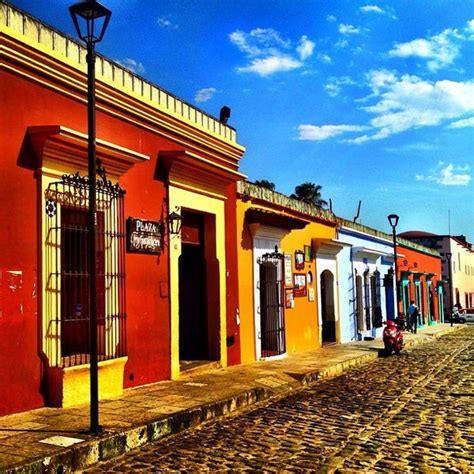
x=70 y=386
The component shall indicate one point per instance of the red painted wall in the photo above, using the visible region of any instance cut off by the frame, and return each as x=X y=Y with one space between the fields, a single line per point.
x=20 y=370
x=147 y=305
x=415 y=261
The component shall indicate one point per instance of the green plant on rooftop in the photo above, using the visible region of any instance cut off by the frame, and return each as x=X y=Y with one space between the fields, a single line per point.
x=310 y=193
x=263 y=183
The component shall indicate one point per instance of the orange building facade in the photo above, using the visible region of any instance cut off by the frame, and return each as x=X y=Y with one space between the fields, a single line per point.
x=279 y=289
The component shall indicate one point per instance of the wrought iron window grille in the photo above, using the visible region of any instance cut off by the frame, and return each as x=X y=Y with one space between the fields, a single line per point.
x=66 y=322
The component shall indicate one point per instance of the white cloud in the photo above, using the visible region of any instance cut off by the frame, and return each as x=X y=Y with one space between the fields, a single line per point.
x=380 y=78
x=417 y=147
x=305 y=48
x=133 y=65
x=439 y=50
x=318 y=133
x=341 y=43
x=371 y=9
x=259 y=41
x=331 y=18
x=361 y=139
x=166 y=23
x=270 y=65
x=333 y=89
x=268 y=52
x=205 y=94
x=448 y=175
x=388 y=11
x=410 y=102
x=469 y=29
x=239 y=38
x=348 y=29
x=324 y=58
x=334 y=85
x=469 y=122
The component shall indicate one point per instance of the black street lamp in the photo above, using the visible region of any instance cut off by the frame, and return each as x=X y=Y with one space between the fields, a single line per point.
x=450 y=286
x=91 y=19
x=393 y=220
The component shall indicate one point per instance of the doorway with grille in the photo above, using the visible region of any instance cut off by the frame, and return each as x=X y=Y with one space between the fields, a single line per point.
x=272 y=323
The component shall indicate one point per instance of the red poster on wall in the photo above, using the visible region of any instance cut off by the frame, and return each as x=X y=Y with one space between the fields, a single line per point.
x=299 y=282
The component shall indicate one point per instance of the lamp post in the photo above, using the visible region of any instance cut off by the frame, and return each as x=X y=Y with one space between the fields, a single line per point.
x=91 y=19
x=393 y=220
x=450 y=287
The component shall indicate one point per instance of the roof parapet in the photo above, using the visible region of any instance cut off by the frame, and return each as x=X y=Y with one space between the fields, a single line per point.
x=257 y=192
x=48 y=38
x=383 y=235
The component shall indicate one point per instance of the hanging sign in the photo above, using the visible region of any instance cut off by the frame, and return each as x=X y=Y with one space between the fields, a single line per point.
x=143 y=236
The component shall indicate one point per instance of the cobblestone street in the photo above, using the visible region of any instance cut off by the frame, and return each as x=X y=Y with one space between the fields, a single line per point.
x=413 y=412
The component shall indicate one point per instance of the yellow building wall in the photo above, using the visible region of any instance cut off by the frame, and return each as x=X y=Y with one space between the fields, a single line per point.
x=246 y=285
x=301 y=321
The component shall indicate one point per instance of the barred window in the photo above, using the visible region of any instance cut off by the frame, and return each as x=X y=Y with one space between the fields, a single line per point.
x=66 y=315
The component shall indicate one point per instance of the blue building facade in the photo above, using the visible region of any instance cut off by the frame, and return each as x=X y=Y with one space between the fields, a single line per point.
x=366 y=281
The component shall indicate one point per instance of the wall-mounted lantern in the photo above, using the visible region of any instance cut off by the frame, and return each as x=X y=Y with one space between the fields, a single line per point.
x=175 y=222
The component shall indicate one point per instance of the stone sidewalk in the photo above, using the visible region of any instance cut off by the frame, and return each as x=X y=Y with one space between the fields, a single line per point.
x=56 y=440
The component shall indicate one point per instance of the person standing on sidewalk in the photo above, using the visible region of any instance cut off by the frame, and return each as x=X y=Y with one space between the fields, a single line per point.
x=413 y=316
x=455 y=313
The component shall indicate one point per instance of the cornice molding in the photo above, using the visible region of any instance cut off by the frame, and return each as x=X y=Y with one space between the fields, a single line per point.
x=266 y=232
x=327 y=248
x=187 y=170
x=64 y=148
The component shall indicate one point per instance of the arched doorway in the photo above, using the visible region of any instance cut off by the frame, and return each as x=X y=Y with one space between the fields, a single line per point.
x=328 y=311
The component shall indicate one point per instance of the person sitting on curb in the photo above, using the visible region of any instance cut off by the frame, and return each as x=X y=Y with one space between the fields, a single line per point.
x=413 y=316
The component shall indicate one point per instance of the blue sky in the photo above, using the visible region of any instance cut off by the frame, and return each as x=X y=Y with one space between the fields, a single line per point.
x=373 y=100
